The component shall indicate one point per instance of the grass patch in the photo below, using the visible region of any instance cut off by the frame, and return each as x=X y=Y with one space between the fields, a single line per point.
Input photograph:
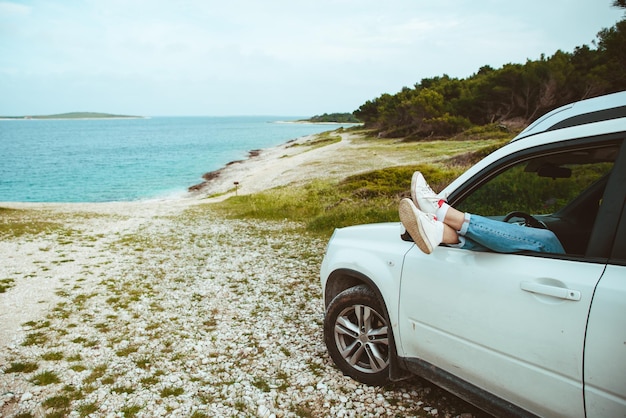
x=370 y=197
x=75 y=357
x=6 y=284
x=97 y=373
x=149 y=381
x=324 y=205
x=37 y=324
x=261 y=384
x=130 y=411
x=172 y=392
x=143 y=363
x=125 y=352
x=53 y=356
x=302 y=410
x=45 y=378
x=21 y=368
x=123 y=389
x=320 y=140
x=57 y=402
x=15 y=223
x=87 y=409
x=35 y=338
x=78 y=368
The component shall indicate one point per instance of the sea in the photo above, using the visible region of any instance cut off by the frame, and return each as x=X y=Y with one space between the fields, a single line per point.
x=104 y=160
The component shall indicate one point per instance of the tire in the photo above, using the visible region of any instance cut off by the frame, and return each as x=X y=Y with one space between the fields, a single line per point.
x=357 y=336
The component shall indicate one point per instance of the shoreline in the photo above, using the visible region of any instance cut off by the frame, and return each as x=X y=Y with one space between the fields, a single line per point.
x=221 y=181
x=262 y=169
x=297 y=161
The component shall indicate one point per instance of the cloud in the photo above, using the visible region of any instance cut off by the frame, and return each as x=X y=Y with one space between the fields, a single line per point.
x=8 y=9
x=244 y=56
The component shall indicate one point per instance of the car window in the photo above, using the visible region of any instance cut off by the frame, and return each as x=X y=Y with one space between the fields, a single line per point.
x=564 y=190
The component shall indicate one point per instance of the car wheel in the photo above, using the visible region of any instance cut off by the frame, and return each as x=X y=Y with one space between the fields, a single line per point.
x=357 y=337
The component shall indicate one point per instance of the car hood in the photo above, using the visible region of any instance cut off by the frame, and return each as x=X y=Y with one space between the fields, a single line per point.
x=378 y=231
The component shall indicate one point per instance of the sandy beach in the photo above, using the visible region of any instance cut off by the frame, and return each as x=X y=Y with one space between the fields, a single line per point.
x=160 y=308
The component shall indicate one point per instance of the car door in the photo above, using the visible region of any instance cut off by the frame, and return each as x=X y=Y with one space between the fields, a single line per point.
x=511 y=324
x=605 y=344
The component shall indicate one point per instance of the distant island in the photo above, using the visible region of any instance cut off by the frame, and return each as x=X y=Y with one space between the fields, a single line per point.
x=75 y=115
x=333 y=118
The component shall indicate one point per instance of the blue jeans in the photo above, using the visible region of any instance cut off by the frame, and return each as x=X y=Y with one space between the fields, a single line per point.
x=483 y=234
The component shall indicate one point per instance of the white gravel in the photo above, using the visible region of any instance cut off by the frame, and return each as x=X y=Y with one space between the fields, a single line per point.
x=161 y=309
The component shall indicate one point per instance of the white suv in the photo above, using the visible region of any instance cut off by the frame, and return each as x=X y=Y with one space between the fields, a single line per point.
x=515 y=334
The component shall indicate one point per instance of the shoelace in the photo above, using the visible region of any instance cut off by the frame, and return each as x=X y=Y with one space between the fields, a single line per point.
x=426 y=190
x=431 y=195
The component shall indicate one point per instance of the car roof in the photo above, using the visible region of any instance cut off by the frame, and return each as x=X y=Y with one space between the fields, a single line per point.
x=610 y=106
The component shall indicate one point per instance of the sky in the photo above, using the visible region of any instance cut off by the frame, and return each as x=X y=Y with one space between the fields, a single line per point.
x=269 y=57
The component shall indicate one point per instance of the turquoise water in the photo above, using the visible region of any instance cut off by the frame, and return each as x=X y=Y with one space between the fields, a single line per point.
x=127 y=159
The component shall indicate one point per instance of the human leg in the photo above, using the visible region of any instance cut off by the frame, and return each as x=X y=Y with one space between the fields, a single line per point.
x=479 y=233
x=501 y=236
x=484 y=233
x=509 y=238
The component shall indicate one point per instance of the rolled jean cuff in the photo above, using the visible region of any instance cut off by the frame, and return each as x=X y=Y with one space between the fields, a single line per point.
x=465 y=225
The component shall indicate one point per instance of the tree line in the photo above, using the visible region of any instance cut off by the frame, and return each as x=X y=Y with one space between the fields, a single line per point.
x=513 y=94
x=334 y=117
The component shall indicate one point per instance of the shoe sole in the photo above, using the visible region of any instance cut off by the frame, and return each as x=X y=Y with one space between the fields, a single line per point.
x=408 y=217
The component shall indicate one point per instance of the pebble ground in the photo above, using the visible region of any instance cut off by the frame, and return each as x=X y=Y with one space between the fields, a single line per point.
x=181 y=314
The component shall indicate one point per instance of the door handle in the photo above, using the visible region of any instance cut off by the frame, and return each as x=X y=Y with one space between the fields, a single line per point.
x=548 y=290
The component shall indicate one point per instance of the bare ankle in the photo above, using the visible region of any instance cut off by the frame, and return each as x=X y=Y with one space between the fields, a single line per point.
x=454 y=219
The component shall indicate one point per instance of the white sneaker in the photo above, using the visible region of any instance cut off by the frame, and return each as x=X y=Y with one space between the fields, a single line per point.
x=426 y=231
x=423 y=196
